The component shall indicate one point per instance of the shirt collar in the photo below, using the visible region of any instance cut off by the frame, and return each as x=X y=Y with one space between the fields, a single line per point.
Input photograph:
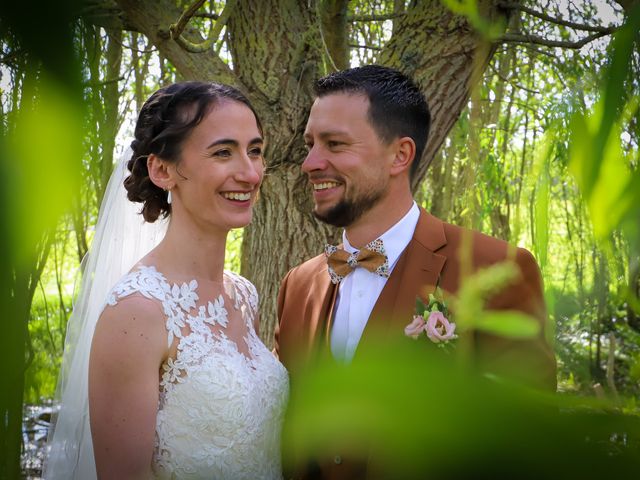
x=395 y=239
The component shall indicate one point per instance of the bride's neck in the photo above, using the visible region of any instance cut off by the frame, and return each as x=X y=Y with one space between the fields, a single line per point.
x=189 y=252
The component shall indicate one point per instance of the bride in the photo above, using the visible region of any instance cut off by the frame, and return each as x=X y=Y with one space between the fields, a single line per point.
x=177 y=381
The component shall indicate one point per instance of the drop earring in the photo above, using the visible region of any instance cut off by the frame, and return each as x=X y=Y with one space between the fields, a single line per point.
x=169 y=196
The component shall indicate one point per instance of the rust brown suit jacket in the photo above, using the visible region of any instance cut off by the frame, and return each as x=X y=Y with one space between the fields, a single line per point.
x=432 y=257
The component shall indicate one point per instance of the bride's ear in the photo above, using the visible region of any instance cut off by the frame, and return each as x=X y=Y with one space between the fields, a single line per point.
x=159 y=172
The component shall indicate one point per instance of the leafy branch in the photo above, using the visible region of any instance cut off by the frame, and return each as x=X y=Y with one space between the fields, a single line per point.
x=375 y=18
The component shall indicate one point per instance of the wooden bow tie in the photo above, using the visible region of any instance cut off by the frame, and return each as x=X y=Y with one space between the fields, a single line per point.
x=343 y=262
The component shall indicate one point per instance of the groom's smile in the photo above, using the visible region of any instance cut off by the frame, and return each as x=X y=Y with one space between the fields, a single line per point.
x=326 y=190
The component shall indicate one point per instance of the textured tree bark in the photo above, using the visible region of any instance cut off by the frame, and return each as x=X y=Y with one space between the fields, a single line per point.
x=288 y=48
x=335 y=31
x=277 y=53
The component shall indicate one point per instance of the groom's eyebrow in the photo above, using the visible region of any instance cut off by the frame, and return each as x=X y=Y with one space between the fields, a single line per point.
x=331 y=133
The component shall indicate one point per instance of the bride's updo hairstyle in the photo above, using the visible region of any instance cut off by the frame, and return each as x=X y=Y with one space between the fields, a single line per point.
x=165 y=122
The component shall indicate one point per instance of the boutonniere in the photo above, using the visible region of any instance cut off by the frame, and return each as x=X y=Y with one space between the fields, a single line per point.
x=432 y=319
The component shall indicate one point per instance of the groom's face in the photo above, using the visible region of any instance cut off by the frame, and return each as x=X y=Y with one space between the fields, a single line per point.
x=347 y=164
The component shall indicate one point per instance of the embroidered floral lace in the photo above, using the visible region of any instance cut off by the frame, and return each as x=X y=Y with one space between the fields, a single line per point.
x=222 y=399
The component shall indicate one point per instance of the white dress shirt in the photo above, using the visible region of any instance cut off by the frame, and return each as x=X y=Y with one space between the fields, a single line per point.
x=359 y=291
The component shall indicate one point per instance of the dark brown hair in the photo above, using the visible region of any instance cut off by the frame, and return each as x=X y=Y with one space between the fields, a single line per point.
x=397 y=107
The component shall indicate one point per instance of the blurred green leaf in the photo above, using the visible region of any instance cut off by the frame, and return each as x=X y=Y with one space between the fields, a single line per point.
x=597 y=160
x=413 y=414
x=541 y=175
x=510 y=324
x=43 y=163
x=476 y=288
x=469 y=9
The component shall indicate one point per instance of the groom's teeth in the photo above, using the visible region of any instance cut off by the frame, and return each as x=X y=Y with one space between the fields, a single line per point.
x=237 y=196
x=324 y=186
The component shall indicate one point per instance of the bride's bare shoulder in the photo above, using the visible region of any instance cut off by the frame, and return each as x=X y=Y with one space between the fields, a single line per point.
x=133 y=323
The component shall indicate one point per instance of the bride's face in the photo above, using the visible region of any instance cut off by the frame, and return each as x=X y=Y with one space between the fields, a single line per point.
x=220 y=168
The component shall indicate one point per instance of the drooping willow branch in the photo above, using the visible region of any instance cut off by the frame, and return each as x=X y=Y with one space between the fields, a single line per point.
x=176 y=29
x=375 y=18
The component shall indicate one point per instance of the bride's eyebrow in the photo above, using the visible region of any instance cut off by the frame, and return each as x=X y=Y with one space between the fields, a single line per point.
x=224 y=141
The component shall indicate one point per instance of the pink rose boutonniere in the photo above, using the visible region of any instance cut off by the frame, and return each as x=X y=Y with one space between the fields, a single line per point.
x=432 y=319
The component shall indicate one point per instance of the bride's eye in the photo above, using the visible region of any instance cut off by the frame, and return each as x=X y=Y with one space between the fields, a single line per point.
x=223 y=153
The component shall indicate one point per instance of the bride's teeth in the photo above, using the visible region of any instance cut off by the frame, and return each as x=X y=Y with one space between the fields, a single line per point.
x=237 y=196
x=325 y=185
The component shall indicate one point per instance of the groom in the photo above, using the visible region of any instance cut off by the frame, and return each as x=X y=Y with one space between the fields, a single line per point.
x=366 y=132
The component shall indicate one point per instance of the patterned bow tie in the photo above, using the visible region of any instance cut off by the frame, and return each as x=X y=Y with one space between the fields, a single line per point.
x=341 y=263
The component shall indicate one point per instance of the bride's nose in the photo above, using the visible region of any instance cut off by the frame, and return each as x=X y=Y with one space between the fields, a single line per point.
x=249 y=171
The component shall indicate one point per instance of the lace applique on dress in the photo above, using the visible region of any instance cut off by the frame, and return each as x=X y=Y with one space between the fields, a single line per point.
x=221 y=410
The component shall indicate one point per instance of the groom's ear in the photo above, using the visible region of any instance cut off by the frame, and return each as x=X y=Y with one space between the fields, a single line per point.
x=405 y=151
x=159 y=172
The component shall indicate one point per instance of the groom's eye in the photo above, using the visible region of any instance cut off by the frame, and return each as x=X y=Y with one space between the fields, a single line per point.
x=255 y=152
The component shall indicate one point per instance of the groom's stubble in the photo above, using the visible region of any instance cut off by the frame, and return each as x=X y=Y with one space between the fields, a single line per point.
x=352 y=207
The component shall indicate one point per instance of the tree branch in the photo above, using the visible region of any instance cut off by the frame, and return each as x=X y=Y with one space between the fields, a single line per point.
x=374 y=18
x=176 y=30
x=106 y=14
x=133 y=49
x=94 y=84
x=11 y=56
x=152 y=18
x=557 y=21
x=210 y=16
x=538 y=40
x=508 y=80
x=369 y=47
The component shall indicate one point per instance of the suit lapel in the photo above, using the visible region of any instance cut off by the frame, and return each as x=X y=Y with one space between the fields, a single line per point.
x=321 y=313
x=415 y=273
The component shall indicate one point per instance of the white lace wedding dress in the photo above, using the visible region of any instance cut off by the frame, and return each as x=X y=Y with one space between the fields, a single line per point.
x=222 y=399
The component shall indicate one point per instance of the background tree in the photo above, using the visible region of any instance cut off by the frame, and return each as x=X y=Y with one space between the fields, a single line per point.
x=275 y=60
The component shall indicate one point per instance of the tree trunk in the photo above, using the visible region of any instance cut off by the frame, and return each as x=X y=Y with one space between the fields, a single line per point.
x=335 y=33
x=111 y=96
x=275 y=60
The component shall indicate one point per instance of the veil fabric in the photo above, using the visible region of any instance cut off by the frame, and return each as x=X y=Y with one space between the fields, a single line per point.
x=121 y=238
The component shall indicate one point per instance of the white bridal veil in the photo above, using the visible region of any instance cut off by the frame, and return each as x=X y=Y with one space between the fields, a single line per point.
x=121 y=238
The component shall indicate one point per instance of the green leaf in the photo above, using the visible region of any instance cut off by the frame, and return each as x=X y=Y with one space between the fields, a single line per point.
x=541 y=173
x=508 y=324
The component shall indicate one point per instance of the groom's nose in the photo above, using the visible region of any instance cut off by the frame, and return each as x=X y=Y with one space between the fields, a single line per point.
x=315 y=160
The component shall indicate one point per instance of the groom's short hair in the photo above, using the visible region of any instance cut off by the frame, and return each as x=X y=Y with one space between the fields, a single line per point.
x=397 y=107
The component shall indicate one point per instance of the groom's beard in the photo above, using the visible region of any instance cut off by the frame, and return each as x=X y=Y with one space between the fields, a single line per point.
x=348 y=210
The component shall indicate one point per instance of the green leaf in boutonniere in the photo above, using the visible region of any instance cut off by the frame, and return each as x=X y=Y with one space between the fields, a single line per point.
x=420 y=307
